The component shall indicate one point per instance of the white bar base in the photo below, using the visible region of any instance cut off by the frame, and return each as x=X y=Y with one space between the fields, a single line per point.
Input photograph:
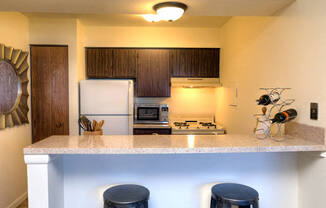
x=45 y=181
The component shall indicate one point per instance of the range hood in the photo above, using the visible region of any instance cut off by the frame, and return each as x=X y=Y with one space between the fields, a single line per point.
x=195 y=82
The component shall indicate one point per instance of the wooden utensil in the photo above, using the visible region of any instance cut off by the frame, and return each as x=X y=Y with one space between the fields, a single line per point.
x=264 y=109
x=95 y=125
x=100 y=124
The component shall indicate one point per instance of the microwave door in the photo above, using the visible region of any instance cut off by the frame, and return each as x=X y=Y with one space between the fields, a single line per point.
x=148 y=114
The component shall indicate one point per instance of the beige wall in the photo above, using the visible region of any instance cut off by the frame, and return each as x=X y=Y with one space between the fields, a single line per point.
x=187 y=103
x=287 y=50
x=151 y=37
x=13 y=32
x=80 y=51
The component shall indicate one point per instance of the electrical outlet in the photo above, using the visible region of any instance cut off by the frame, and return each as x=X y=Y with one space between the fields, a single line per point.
x=314 y=111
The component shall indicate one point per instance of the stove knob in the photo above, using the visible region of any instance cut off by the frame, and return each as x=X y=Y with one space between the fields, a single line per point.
x=187 y=127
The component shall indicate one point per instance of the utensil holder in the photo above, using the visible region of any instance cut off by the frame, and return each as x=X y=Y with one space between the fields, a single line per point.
x=93 y=133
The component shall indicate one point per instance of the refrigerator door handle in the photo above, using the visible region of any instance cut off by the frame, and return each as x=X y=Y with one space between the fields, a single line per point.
x=131 y=107
x=131 y=97
x=131 y=125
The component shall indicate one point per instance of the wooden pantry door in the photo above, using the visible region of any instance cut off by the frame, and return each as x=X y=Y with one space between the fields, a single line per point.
x=49 y=90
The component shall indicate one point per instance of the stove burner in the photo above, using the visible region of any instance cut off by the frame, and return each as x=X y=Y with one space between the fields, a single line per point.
x=195 y=124
x=194 y=127
x=207 y=124
x=181 y=124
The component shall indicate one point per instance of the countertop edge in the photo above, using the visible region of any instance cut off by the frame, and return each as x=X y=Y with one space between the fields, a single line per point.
x=204 y=150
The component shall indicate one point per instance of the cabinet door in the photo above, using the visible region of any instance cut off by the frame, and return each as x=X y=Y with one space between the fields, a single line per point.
x=208 y=62
x=124 y=63
x=194 y=62
x=99 y=63
x=153 y=74
x=183 y=62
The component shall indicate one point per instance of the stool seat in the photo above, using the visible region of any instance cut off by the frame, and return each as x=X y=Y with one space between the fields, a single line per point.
x=234 y=194
x=126 y=194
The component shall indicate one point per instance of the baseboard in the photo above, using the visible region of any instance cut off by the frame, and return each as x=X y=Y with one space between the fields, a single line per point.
x=18 y=201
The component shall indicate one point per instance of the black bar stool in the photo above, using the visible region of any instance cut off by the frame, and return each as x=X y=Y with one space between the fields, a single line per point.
x=227 y=194
x=126 y=196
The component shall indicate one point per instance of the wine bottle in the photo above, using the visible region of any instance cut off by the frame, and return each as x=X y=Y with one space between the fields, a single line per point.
x=285 y=116
x=268 y=99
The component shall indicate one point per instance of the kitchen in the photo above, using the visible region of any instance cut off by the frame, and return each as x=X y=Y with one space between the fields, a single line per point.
x=150 y=115
x=277 y=47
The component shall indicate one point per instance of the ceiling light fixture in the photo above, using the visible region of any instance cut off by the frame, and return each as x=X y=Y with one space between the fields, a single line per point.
x=151 y=17
x=168 y=11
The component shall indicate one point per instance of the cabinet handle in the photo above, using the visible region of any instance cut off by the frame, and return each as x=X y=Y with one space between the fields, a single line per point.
x=155 y=133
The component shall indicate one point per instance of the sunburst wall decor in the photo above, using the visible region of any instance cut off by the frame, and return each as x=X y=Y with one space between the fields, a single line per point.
x=13 y=87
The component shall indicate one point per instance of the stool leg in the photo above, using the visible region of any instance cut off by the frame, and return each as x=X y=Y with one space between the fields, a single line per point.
x=227 y=205
x=108 y=205
x=219 y=204
x=141 y=205
x=213 y=203
x=256 y=204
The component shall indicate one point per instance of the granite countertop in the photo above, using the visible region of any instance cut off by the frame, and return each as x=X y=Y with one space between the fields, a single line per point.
x=169 y=144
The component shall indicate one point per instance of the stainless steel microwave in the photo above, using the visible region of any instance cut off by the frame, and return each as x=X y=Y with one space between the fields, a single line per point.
x=151 y=113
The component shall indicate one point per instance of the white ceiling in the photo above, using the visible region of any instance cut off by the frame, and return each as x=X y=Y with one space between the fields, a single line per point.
x=196 y=7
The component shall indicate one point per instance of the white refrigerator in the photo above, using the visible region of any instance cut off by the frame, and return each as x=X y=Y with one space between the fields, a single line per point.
x=111 y=101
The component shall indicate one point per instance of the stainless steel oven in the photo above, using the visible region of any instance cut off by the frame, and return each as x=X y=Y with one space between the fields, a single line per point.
x=151 y=113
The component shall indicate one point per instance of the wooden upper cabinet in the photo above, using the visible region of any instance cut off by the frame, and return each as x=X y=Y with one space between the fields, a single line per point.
x=195 y=62
x=153 y=73
x=124 y=63
x=99 y=63
x=152 y=67
x=111 y=62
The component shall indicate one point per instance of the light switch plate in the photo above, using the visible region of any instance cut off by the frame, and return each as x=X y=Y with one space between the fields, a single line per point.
x=314 y=111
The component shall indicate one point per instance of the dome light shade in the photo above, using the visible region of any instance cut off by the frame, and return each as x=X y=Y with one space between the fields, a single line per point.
x=168 y=11
x=151 y=17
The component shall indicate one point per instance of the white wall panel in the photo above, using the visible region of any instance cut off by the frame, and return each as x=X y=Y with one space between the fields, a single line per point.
x=181 y=181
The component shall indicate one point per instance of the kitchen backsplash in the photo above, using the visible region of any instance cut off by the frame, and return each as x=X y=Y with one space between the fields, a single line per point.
x=187 y=103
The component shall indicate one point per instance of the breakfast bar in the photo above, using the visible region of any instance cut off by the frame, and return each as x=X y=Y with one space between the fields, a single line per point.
x=73 y=171
x=168 y=144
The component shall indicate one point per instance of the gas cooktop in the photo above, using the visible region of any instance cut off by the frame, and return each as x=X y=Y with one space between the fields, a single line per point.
x=195 y=127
